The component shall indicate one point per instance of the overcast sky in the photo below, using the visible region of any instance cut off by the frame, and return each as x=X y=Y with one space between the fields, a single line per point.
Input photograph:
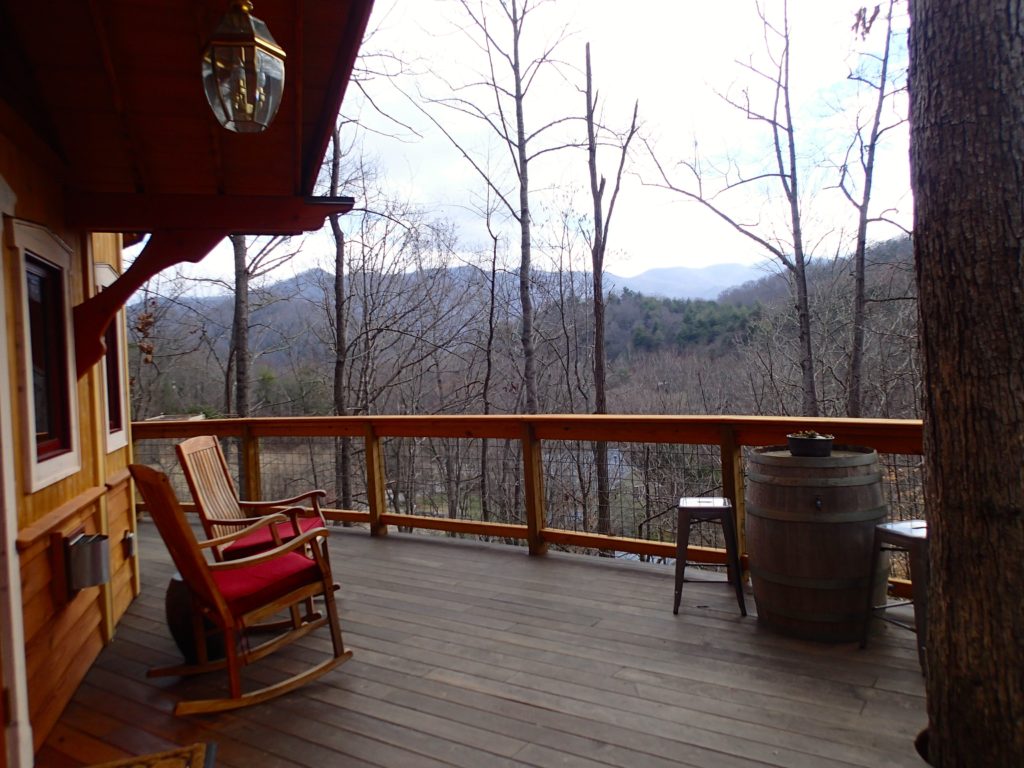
x=670 y=55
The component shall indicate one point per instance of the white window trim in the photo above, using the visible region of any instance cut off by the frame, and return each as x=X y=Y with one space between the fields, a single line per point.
x=44 y=245
x=118 y=439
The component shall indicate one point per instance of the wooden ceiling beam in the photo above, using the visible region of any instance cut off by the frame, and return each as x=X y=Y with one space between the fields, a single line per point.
x=237 y=214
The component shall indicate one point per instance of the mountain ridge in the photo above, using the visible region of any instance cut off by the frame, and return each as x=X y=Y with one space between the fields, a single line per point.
x=687 y=282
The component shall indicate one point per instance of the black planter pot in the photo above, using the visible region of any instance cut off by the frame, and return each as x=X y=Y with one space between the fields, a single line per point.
x=178 y=608
x=810 y=446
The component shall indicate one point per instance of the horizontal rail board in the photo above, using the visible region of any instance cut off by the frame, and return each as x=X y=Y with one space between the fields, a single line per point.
x=346 y=515
x=729 y=433
x=475 y=527
x=884 y=435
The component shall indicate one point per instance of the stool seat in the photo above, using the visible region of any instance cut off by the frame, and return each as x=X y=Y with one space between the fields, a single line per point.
x=694 y=509
x=910 y=536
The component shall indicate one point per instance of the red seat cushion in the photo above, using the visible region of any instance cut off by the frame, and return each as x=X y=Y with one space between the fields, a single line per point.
x=254 y=586
x=262 y=540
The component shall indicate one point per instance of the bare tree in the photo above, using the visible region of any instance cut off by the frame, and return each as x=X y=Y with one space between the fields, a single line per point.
x=253 y=261
x=343 y=445
x=508 y=80
x=598 y=245
x=777 y=121
x=859 y=165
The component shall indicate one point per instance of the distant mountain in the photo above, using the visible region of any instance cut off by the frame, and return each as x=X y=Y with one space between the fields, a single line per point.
x=686 y=282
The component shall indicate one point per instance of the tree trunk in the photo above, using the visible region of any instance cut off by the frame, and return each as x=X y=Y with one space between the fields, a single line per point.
x=791 y=184
x=526 y=334
x=343 y=445
x=597 y=265
x=240 y=338
x=485 y=491
x=967 y=151
x=240 y=325
x=343 y=449
x=855 y=377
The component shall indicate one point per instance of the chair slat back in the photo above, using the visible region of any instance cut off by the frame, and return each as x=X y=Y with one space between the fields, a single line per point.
x=174 y=529
x=209 y=480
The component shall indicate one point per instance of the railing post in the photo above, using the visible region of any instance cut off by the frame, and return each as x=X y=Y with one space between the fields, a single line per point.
x=253 y=487
x=533 y=486
x=375 y=482
x=732 y=482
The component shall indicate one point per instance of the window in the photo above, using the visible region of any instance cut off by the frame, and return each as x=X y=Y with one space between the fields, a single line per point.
x=113 y=369
x=45 y=292
x=47 y=366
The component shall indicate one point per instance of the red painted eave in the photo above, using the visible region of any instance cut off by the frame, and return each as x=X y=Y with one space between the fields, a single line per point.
x=237 y=214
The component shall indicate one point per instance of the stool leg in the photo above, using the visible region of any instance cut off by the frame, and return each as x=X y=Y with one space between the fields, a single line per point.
x=682 y=540
x=733 y=555
x=870 y=608
x=919 y=577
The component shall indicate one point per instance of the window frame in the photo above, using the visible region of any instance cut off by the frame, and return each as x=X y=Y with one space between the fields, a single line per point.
x=32 y=241
x=116 y=439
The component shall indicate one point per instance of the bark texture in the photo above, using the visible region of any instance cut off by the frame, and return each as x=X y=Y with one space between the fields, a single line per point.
x=967 y=155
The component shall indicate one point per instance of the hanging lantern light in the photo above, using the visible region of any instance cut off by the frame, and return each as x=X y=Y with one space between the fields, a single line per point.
x=243 y=71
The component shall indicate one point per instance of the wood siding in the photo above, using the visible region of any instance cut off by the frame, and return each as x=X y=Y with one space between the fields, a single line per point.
x=62 y=636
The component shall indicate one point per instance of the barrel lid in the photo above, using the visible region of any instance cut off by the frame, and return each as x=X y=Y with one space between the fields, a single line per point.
x=842 y=455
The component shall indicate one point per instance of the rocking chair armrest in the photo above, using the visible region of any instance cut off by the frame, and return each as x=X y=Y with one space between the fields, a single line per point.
x=299 y=542
x=261 y=522
x=315 y=496
x=239 y=521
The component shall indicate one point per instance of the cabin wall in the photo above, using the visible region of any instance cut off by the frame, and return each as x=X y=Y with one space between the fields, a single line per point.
x=63 y=633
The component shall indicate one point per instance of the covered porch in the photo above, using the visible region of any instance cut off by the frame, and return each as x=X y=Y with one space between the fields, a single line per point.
x=474 y=654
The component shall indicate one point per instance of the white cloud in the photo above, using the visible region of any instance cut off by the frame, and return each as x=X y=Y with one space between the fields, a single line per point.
x=672 y=55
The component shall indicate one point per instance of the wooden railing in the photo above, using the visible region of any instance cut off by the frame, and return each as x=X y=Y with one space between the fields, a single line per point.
x=730 y=433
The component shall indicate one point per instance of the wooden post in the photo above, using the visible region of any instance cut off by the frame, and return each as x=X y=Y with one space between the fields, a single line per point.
x=251 y=463
x=732 y=483
x=533 y=486
x=375 y=482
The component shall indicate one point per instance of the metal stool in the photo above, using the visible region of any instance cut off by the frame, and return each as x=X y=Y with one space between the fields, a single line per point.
x=909 y=536
x=707 y=509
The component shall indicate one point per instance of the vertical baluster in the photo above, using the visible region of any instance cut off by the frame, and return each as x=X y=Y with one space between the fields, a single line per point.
x=253 y=485
x=533 y=485
x=375 y=481
x=732 y=482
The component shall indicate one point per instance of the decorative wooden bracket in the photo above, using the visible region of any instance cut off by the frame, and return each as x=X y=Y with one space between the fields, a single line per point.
x=164 y=249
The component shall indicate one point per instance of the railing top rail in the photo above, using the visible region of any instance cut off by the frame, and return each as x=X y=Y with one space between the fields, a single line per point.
x=885 y=435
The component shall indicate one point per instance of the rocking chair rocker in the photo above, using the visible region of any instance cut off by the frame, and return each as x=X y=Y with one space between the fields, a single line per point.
x=236 y=595
x=213 y=490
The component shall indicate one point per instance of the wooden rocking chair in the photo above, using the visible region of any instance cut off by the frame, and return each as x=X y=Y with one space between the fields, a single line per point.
x=235 y=595
x=213 y=491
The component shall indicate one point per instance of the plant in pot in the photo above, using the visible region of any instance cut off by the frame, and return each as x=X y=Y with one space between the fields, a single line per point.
x=809 y=443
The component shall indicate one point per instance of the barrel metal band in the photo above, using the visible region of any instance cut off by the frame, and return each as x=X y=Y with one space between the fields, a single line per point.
x=814 y=516
x=815 y=481
x=803 y=581
x=842 y=456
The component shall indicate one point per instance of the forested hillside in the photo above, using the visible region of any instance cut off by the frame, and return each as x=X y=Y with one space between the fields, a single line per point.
x=419 y=341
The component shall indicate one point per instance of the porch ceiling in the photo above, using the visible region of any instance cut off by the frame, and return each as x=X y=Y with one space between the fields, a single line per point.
x=113 y=87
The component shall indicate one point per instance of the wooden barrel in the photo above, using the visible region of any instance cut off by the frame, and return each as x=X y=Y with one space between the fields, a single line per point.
x=810 y=528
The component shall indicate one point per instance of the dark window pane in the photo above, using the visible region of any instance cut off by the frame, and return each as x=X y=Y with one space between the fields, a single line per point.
x=49 y=359
x=112 y=363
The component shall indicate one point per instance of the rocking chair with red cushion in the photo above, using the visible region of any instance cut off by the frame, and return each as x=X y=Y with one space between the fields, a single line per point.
x=213 y=491
x=236 y=595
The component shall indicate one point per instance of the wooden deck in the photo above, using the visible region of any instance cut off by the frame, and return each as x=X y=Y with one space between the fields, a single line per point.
x=477 y=655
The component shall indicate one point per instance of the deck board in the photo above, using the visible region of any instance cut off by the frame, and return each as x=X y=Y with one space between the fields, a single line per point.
x=470 y=654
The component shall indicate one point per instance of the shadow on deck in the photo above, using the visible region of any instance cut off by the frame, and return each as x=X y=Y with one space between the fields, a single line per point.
x=477 y=655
